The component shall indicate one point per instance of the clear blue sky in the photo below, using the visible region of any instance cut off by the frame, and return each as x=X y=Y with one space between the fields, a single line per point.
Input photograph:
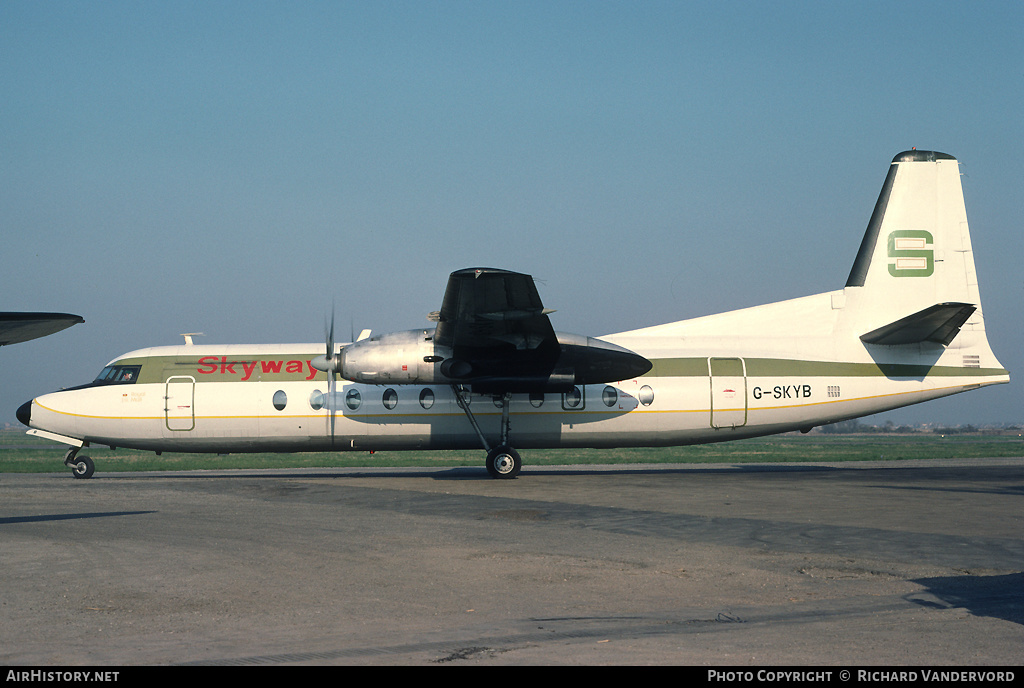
x=241 y=168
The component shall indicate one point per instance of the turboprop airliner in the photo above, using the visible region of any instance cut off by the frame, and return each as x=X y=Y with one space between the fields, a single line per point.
x=492 y=372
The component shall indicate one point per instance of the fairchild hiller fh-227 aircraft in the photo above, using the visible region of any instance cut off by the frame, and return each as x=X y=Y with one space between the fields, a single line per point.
x=906 y=328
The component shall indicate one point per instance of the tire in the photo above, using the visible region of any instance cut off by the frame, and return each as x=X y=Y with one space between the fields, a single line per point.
x=504 y=463
x=82 y=467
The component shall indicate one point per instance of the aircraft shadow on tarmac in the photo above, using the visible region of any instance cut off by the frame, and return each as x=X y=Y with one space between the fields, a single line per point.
x=460 y=472
x=69 y=517
x=999 y=597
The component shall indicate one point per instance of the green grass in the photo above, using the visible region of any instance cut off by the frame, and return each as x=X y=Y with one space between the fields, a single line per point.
x=21 y=453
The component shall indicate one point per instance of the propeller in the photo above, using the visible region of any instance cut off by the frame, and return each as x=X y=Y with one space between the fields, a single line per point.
x=332 y=364
x=329 y=364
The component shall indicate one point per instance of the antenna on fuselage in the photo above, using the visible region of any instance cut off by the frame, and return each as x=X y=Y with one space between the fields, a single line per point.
x=189 y=335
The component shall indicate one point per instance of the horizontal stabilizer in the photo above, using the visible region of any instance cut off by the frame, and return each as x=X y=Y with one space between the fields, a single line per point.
x=939 y=323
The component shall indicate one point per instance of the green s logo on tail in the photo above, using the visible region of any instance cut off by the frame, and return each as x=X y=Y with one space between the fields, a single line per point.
x=911 y=257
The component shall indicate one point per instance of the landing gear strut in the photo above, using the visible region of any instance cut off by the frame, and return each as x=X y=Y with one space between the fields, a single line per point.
x=502 y=461
x=82 y=467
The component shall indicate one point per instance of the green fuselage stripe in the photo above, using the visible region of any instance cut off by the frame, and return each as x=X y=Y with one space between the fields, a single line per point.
x=297 y=367
x=778 y=367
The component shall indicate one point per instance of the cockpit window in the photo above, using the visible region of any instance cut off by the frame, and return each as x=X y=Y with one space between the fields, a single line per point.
x=119 y=374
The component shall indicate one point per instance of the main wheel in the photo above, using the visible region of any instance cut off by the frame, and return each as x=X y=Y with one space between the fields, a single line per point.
x=504 y=462
x=82 y=467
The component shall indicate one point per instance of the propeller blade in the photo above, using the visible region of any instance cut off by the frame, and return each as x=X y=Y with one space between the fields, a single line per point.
x=330 y=337
x=330 y=360
x=330 y=402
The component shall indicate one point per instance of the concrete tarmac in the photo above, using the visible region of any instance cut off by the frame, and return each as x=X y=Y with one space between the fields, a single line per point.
x=895 y=563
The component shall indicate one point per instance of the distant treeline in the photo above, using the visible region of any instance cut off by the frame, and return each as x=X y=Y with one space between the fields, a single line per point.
x=854 y=426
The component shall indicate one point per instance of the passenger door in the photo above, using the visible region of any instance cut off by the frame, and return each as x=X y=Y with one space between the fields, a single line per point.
x=179 y=403
x=728 y=378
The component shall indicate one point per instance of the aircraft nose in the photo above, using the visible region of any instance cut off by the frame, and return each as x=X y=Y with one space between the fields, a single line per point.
x=24 y=413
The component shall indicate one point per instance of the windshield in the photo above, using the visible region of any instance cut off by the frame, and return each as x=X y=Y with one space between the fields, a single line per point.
x=119 y=374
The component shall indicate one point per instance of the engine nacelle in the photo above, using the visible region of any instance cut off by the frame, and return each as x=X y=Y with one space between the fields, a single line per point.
x=397 y=358
x=413 y=358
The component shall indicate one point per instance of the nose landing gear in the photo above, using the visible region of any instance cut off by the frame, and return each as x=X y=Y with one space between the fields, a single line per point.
x=82 y=467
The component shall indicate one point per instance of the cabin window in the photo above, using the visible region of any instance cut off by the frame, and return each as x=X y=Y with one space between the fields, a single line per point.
x=609 y=396
x=646 y=395
x=280 y=400
x=353 y=399
x=316 y=400
x=390 y=398
x=573 y=399
x=427 y=398
x=536 y=399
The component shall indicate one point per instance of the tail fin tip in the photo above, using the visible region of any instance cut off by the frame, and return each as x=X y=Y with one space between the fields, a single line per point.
x=914 y=155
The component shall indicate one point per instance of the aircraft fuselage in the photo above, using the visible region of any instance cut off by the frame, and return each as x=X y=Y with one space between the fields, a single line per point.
x=271 y=399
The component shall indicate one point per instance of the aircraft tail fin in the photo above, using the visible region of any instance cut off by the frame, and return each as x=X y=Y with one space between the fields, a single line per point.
x=914 y=278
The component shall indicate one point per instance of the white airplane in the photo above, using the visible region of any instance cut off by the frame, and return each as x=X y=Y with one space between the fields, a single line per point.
x=906 y=328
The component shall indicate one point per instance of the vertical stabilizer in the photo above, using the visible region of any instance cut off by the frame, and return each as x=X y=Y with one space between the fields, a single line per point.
x=914 y=278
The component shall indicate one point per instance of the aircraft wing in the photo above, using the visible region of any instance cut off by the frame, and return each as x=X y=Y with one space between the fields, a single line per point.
x=493 y=334
x=488 y=309
x=498 y=332
x=21 y=327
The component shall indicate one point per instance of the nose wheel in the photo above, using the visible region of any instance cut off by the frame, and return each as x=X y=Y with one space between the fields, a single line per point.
x=81 y=467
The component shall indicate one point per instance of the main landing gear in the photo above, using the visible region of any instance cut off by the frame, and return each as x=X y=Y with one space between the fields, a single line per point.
x=502 y=461
x=82 y=467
